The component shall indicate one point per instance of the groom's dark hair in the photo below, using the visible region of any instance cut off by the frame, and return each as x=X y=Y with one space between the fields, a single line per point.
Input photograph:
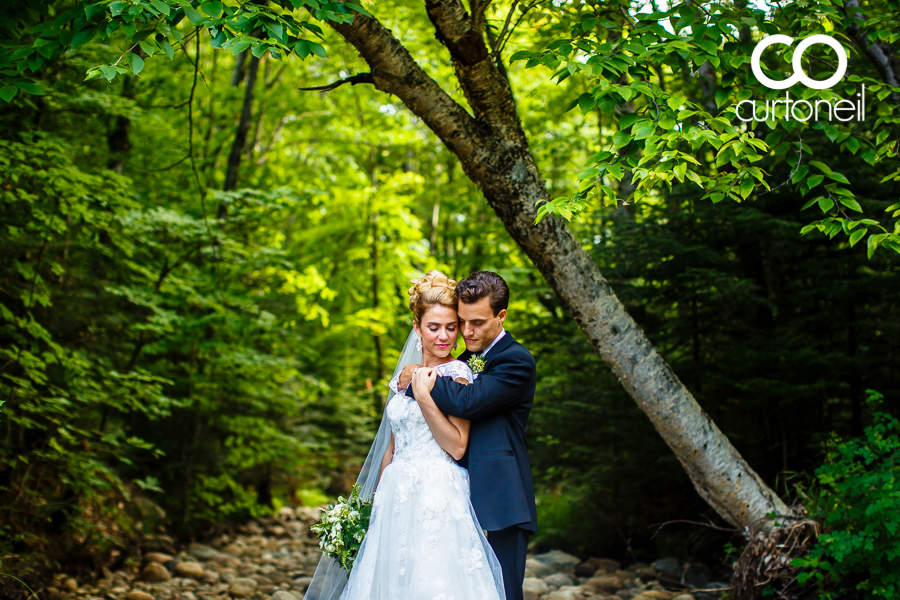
x=484 y=284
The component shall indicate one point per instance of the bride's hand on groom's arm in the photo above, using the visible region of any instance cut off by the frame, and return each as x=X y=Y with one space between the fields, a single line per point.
x=423 y=383
x=406 y=376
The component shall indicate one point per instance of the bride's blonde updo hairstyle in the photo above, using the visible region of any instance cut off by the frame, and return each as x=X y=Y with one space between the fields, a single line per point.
x=432 y=289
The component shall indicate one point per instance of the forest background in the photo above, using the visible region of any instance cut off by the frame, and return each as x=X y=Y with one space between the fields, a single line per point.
x=204 y=269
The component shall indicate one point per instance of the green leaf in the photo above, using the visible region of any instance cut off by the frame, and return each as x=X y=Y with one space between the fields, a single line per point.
x=628 y=120
x=83 y=37
x=8 y=92
x=851 y=204
x=721 y=96
x=168 y=49
x=30 y=87
x=821 y=166
x=135 y=62
x=193 y=15
x=621 y=139
x=675 y=101
x=857 y=235
x=708 y=46
x=317 y=49
x=814 y=181
x=160 y=6
x=213 y=9
x=746 y=187
x=826 y=204
x=239 y=46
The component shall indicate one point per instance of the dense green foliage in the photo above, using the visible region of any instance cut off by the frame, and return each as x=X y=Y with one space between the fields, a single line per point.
x=698 y=133
x=859 y=504
x=171 y=337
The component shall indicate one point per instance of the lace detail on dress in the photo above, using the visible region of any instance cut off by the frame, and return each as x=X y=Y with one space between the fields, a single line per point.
x=424 y=541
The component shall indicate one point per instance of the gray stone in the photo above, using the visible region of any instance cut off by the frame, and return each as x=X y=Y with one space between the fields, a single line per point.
x=563 y=595
x=160 y=557
x=558 y=580
x=301 y=583
x=683 y=597
x=538 y=568
x=243 y=587
x=604 y=584
x=155 y=572
x=282 y=595
x=534 y=588
x=672 y=566
x=558 y=560
x=191 y=569
x=210 y=577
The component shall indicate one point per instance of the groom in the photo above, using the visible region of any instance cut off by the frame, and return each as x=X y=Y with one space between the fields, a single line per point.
x=497 y=404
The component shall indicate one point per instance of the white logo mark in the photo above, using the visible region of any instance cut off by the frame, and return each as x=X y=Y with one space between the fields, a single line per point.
x=799 y=75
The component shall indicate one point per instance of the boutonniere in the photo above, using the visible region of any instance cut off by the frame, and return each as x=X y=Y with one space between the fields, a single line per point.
x=476 y=363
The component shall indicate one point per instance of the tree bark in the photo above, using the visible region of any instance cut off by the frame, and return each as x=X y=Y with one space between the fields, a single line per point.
x=493 y=150
x=240 y=136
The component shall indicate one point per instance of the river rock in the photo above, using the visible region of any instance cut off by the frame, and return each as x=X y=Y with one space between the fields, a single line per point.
x=69 y=585
x=607 y=565
x=243 y=587
x=138 y=595
x=533 y=588
x=189 y=568
x=653 y=595
x=563 y=595
x=683 y=597
x=160 y=557
x=672 y=566
x=155 y=572
x=558 y=560
x=538 y=568
x=604 y=584
x=558 y=580
x=53 y=593
x=282 y=595
x=210 y=577
x=301 y=583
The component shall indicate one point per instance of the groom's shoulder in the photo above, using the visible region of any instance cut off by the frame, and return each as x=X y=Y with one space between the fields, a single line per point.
x=518 y=351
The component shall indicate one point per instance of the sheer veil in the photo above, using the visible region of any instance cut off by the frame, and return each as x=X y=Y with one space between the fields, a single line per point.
x=330 y=577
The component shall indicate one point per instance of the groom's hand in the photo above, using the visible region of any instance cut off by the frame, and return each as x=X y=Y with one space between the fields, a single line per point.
x=406 y=376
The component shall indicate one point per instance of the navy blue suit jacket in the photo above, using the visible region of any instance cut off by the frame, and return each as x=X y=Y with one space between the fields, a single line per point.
x=497 y=403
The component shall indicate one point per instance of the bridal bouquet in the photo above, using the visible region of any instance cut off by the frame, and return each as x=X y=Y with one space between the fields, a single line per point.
x=342 y=528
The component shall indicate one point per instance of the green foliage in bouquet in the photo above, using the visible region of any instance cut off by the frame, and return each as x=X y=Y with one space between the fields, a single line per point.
x=343 y=526
x=859 y=504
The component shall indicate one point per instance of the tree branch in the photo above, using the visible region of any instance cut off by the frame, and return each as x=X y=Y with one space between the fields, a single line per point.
x=394 y=71
x=352 y=80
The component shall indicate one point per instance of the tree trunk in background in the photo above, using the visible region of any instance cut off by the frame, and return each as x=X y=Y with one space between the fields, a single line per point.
x=240 y=136
x=493 y=150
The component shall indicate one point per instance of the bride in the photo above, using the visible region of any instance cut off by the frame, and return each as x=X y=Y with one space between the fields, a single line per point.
x=424 y=541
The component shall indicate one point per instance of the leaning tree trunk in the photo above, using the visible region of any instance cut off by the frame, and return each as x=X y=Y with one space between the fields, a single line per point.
x=493 y=150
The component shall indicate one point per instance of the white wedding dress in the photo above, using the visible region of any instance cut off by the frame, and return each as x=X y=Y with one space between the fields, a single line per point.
x=423 y=541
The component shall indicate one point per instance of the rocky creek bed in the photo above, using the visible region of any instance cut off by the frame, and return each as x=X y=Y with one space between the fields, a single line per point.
x=274 y=559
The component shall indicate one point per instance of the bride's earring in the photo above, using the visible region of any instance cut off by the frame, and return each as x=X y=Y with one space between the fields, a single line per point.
x=455 y=344
x=419 y=343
